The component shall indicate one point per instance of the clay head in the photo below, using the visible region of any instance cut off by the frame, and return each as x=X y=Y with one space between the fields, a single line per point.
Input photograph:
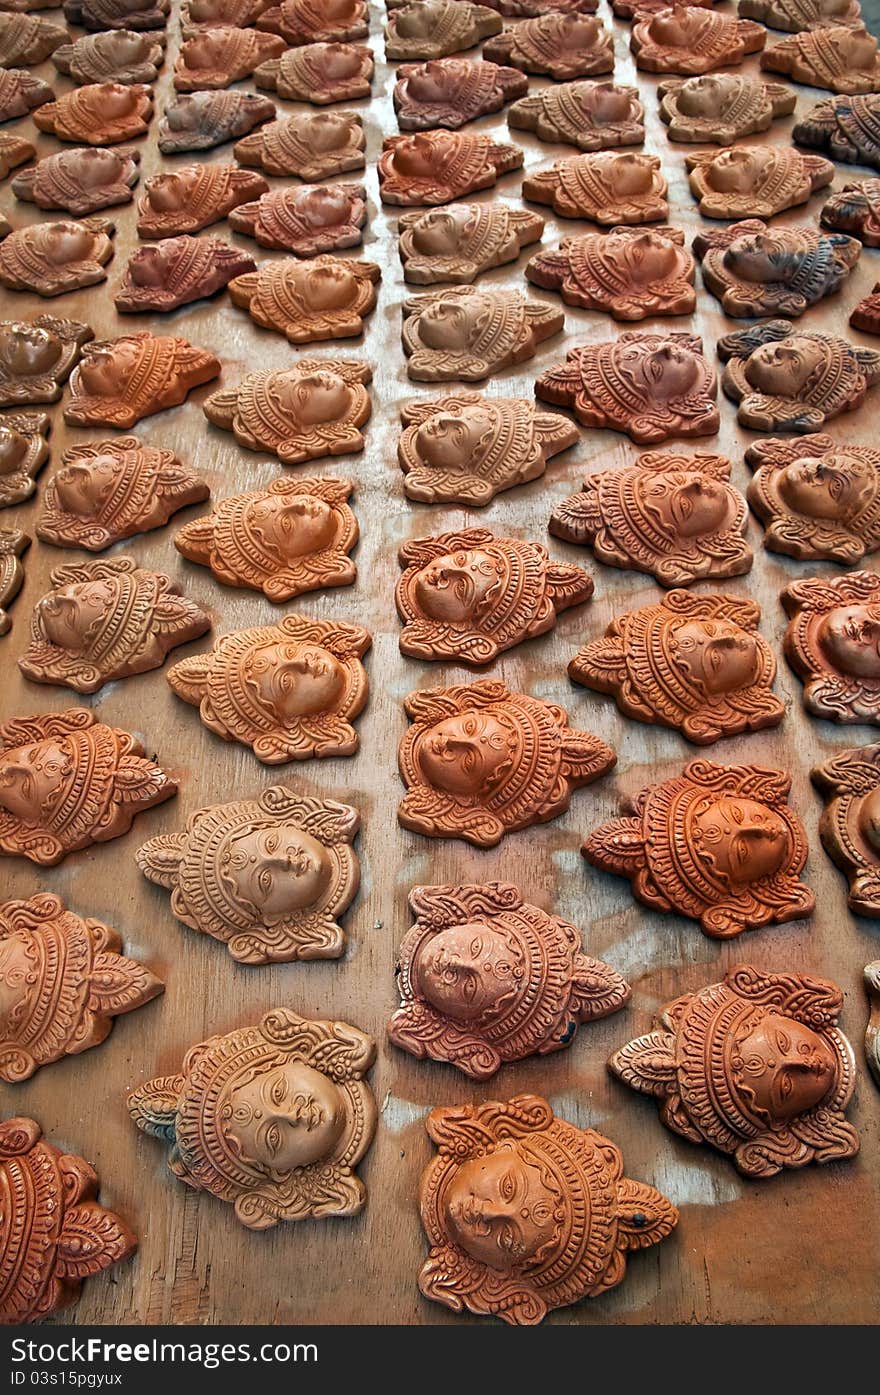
x=738 y=171
x=315 y=398
x=291 y=525
x=673 y=28
x=850 y=636
x=340 y=61
x=206 y=49
x=295 y=680
x=272 y=872
x=631 y=174
x=502 y=1209
x=416 y=22
x=70 y=614
x=606 y=103
x=784 y=369
x=740 y=840
x=448 y=442
x=834 y=486
x=27 y=350
x=432 y=82
x=328 y=287
x=284 y=1118
x=169 y=192
x=325 y=131
x=149 y=266
x=97 y=167
x=691 y=505
x=467 y=972
x=66 y=242
x=705 y=96
x=439 y=232
x=454 y=587
x=103 y=372
x=415 y=157
x=450 y=324
x=782 y=1068
x=665 y=373
x=13 y=449
x=717 y=656
x=31 y=777
x=184 y=115
x=83 y=489
x=16 y=979
x=468 y=754
x=324 y=208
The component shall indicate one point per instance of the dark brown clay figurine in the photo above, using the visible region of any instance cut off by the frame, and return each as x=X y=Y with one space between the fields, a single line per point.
x=316 y=21
x=201 y=120
x=651 y=386
x=464 y=333
x=755 y=270
x=267 y=877
x=484 y=978
x=290 y=690
x=675 y=517
x=695 y=663
x=853 y=209
x=610 y=187
x=588 y=115
x=457 y=244
x=107 y=620
x=120 y=55
x=819 y=499
x=754 y=1066
x=450 y=92
x=20 y=92
x=563 y=1216
x=310 y=145
x=319 y=73
x=119 y=381
x=193 y=197
x=68 y=781
x=12 y=544
x=833 y=644
x=26 y=40
x=221 y=56
x=37 y=357
x=53 y=1233
x=292 y=537
x=308 y=301
x=465 y=449
x=103 y=113
x=850 y=823
x=24 y=451
x=468 y=596
x=51 y=259
x=755 y=181
x=112 y=490
x=64 y=980
x=313 y=409
x=437 y=28
x=118 y=14
x=439 y=166
x=866 y=313
x=625 y=272
x=718 y=843
x=690 y=39
x=80 y=181
x=840 y=59
x=272 y=1119
x=479 y=762
x=787 y=379
x=177 y=271
x=719 y=108
x=846 y=128
x=305 y=221
x=561 y=46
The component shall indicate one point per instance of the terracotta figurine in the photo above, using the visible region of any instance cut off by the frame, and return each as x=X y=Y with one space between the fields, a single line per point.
x=561 y=46
x=439 y=166
x=309 y=144
x=755 y=270
x=309 y=301
x=314 y=409
x=755 y=181
x=80 y=181
x=457 y=244
x=463 y=333
x=589 y=115
x=628 y=273
x=833 y=644
x=718 y=108
x=850 y=824
x=177 y=271
x=52 y=259
x=305 y=221
x=201 y=120
x=819 y=499
x=610 y=187
x=24 y=451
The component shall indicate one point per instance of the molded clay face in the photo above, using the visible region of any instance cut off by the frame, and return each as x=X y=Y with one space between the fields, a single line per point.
x=294 y=525
x=447 y=442
x=80 y=181
x=295 y=680
x=501 y=1210
x=24 y=450
x=784 y=370
x=436 y=167
x=850 y=635
x=784 y=1068
x=31 y=777
x=467 y=755
x=99 y=114
x=707 y=95
x=833 y=644
x=588 y=115
x=84 y=489
x=717 y=655
x=666 y=373
x=833 y=486
x=13 y=449
x=276 y=870
x=562 y=45
x=454 y=587
x=215 y=58
x=740 y=840
x=285 y=1119
x=465 y=972
x=739 y=171
x=69 y=612
x=691 y=507
x=27 y=352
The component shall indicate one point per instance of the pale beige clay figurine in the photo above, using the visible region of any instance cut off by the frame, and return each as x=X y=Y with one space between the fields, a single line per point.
x=719 y=108
x=588 y=115
x=457 y=244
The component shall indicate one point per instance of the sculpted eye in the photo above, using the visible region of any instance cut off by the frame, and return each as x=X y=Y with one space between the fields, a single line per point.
x=272 y=843
x=272 y=1140
x=278 y=1091
x=264 y=881
x=507 y=1186
x=785 y=1085
x=476 y=947
x=783 y=1041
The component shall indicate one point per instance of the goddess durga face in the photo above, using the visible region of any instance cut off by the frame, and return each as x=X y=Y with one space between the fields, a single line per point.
x=739 y=171
x=450 y=325
x=275 y=871
x=784 y=369
x=65 y=242
x=674 y=28
x=783 y=1068
x=323 y=208
x=850 y=636
x=467 y=972
x=417 y=158
x=631 y=174
x=294 y=680
x=761 y=259
x=836 y=486
x=663 y=374
x=467 y=755
x=707 y=96
x=27 y=351
x=291 y=525
x=648 y=256
x=31 y=778
x=169 y=192
x=500 y=1208
x=323 y=132
x=605 y=102
x=69 y=613
x=83 y=489
x=95 y=168
x=13 y=449
x=284 y=1118
x=324 y=287
x=117 y=100
x=452 y=588
x=449 y=442
x=313 y=399
x=433 y=82
x=740 y=840
x=150 y=266
x=688 y=505
x=440 y=232
x=103 y=373
x=717 y=655
x=206 y=49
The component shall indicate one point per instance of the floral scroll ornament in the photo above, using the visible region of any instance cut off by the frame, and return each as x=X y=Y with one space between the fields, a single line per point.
x=755 y=1066
x=272 y=1119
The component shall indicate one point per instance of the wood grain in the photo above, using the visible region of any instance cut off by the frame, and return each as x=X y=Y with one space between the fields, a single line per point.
x=800 y=1249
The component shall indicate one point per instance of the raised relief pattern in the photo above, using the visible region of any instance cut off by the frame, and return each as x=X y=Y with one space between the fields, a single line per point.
x=855 y=209
x=325 y=298
x=464 y=333
x=690 y=39
x=80 y=181
x=120 y=55
x=53 y=258
x=103 y=113
x=624 y=272
x=755 y=181
x=24 y=451
x=589 y=115
x=303 y=413
x=452 y=91
x=177 y=271
x=819 y=499
x=309 y=144
x=719 y=108
x=562 y=46
x=846 y=128
x=201 y=120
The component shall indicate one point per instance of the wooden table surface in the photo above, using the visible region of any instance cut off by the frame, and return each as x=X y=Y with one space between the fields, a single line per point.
x=801 y=1248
